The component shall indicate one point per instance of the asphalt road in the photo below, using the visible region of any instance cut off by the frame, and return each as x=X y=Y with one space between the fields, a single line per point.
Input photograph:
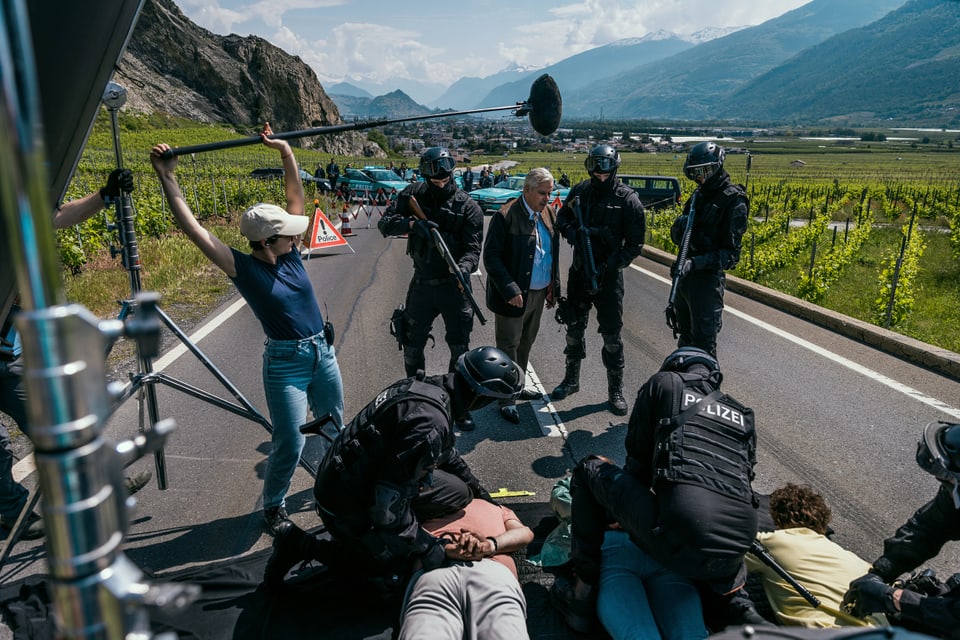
x=831 y=411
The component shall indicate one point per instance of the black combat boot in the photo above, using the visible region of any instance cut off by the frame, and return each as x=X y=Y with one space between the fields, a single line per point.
x=570 y=383
x=618 y=406
x=292 y=545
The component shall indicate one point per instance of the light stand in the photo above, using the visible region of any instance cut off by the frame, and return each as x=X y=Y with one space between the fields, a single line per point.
x=97 y=592
x=143 y=382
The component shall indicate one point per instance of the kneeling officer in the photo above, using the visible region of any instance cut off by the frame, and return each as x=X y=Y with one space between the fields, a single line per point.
x=394 y=465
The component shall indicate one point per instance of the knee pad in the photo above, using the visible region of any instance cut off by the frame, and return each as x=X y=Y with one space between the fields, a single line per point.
x=612 y=352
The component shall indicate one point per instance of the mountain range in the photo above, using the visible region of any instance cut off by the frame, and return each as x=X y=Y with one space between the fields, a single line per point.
x=844 y=63
x=849 y=63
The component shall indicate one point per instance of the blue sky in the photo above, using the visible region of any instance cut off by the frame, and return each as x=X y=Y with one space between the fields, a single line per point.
x=375 y=41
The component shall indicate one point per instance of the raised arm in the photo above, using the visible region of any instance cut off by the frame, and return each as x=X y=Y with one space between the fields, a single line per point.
x=293 y=186
x=209 y=244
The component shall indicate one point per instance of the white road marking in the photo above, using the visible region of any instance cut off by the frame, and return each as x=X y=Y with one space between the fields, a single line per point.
x=27 y=465
x=547 y=417
x=171 y=356
x=899 y=387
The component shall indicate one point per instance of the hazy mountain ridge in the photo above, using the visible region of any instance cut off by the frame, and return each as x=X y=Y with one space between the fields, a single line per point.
x=877 y=71
x=825 y=62
x=689 y=84
x=391 y=105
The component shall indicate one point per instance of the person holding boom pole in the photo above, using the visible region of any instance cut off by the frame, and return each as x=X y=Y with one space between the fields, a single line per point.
x=299 y=363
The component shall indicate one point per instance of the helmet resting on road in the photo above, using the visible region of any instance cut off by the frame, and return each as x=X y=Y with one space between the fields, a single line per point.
x=490 y=373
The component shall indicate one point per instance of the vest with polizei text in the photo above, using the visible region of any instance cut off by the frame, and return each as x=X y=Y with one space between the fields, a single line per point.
x=714 y=448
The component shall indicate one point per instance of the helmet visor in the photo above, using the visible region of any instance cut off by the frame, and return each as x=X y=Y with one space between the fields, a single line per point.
x=696 y=171
x=438 y=167
x=601 y=164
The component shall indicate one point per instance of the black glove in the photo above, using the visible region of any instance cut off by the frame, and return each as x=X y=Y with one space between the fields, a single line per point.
x=868 y=594
x=118 y=180
x=683 y=269
x=570 y=233
x=477 y=491
x=466 y=279
x=422 y=228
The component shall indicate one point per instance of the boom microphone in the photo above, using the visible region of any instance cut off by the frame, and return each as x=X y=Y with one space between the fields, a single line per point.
x=544 y=108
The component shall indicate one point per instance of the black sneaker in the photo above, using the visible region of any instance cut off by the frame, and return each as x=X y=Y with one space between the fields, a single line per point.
x=580 y=614
x=274 y=517
x=32 y=528
x=137 y=481
x=466 y=424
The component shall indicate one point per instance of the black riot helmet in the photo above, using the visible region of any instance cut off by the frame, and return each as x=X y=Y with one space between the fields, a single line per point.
x=703 y=161
x=602 y=159
x=938 y=453
x=685 y=357
x=436 y=162
x=490 y=374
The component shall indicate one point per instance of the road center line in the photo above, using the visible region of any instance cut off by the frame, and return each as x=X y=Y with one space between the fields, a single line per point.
x=850 y=364
x=547 y=417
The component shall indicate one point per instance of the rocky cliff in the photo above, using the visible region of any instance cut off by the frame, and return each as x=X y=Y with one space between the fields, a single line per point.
x=172 y=65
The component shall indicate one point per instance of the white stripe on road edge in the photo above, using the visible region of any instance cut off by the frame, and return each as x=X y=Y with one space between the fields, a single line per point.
x=850 y=364
x=171 y=356
x=26 y=466
x=547 y=417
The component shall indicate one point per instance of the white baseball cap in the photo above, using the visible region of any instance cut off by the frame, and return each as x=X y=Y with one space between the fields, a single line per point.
x=262 y=221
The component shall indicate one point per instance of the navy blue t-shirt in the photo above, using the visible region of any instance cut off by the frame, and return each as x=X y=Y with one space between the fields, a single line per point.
x=280 y=295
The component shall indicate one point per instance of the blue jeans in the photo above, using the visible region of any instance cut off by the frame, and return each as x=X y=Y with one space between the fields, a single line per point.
x=297 y=373
x=639 y=599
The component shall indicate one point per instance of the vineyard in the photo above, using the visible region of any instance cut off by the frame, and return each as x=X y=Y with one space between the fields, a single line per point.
x=873 y=233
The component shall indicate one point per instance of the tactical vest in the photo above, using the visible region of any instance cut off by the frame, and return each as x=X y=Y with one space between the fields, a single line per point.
x=710 y=443
x=451 y=217
x=363 y=445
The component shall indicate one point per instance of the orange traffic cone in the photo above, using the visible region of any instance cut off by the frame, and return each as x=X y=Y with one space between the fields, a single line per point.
x=345 y=229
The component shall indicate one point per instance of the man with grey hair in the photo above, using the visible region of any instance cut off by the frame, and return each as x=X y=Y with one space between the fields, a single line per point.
x=521 y=257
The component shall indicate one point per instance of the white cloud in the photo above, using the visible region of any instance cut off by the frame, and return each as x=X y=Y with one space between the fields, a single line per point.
x=358 y=39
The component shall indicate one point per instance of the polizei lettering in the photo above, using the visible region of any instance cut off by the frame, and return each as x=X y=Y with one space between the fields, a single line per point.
x=716 y=410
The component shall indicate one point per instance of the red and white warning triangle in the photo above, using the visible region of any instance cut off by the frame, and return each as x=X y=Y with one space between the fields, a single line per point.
x=323 y=234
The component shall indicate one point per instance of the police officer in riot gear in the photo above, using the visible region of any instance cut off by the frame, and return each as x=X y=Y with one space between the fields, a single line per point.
x=434 y=290
x=395 y=465
x=935 y=613
x=719 y=220
x=613 y=217
x=691 y=509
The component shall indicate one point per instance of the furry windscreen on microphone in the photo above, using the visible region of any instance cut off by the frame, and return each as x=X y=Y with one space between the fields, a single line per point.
x=544 y=105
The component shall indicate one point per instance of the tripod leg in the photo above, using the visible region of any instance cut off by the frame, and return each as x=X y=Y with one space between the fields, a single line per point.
x=153 y=414
x=18 y=526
